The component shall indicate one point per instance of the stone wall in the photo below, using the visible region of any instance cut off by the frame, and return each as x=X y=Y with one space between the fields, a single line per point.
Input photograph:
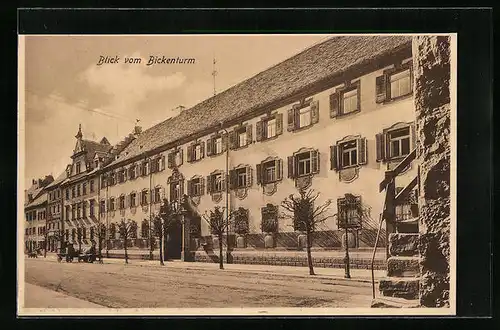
x=432 y=105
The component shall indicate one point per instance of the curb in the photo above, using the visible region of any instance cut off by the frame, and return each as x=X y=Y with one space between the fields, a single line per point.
x=241 y=271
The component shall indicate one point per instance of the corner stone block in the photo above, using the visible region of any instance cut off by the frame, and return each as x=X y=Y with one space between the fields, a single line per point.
x=407 y=288
x=403 y=267
x=402 y=244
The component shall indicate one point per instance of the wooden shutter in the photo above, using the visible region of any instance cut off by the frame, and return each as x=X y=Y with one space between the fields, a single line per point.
x=258 y=168
x=171 y=159
x=413 y=137
x=249 y=131
x=181 y=156
x=210 y=143
x=380 y=88
x=232 y=179
x=279 y=123
x=258 y=130
x=249 y=176
x=334 y=164
x=189 y=188
x=202 y=185
x=190 y=153
x=314 y=161
x=162 y=163
x=362 y=150
x=224 y=181
x=279 y=169
x=233 y=142
x=380 y=146
x=202 y=149
x=291 y=167
x=163 y=193
x=291 y=120
x=209 y=184
x=224 y=139
x=314 y=112
x=334 y=104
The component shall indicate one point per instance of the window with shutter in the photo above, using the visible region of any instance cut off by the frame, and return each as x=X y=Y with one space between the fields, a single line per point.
x=162 y=163
x=278 y=169
x=190 y=188
x=350 y=99
x=334 y=105
x=398 y=142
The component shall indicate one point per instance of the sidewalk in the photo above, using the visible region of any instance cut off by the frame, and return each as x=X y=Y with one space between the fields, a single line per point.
x=39 y=297
x=357 y=275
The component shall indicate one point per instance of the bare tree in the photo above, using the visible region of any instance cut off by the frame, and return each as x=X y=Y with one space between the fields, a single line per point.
x=101 y=236
x=79 y=238
x=126 y=228
x=306 y=216
x=162 y=222
x=218 y=226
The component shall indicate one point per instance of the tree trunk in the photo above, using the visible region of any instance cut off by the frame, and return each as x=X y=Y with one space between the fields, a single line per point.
x=45 y=250
x=221 y=264
x=161 y=249
x=308 y=249
x=125 y=244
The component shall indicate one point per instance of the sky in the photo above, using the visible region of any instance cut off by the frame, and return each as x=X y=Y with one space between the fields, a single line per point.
x=64 y=87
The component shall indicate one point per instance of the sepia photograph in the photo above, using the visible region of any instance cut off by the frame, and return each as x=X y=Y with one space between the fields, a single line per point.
x=237 y=174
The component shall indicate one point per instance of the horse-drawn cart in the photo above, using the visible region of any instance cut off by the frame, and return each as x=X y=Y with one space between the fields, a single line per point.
x=70 y=253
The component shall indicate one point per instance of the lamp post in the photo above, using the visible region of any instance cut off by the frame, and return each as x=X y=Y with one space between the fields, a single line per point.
x=228 y=253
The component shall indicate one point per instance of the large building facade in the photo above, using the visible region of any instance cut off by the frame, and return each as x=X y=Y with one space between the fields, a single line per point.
x=333 y=119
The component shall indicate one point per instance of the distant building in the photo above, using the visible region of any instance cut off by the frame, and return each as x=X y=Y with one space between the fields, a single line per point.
x=35 y=211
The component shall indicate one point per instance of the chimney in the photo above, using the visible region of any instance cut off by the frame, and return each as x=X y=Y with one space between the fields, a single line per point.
x=181 y=108
x=137 y=130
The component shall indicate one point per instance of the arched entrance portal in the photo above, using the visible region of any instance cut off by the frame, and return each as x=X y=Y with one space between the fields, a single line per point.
x=173 y=241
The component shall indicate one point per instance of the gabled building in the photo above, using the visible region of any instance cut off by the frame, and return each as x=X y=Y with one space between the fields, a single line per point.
x=35 y=210
x=80 y=190
x=55 y=206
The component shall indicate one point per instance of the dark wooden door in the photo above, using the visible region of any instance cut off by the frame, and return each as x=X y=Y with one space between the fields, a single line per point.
x=173 y=243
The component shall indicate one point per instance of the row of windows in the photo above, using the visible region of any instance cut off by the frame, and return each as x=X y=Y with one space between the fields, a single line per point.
x=53 y=195
x=391 y=144
x=34 y=215
x=35 y=231
x=80 y=189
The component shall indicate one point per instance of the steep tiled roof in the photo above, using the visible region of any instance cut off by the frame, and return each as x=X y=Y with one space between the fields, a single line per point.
x=37 y=201
x=92 y=147
x=319 y=62
x=58 y=180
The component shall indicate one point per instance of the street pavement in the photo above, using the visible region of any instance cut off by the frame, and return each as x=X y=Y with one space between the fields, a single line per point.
x=39 y=297
x=146 y=284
